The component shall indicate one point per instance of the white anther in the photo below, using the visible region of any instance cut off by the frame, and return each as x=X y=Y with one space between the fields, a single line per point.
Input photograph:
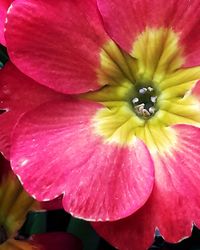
x=143 y=90
x=145 y=113
x=152 y=110
x=139 y=107
x=135 y=100
x=150 y=89
x=153 y=98
x=140 y=110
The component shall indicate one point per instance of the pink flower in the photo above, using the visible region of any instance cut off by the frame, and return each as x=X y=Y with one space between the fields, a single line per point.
x=4 y=4
x=126 y=142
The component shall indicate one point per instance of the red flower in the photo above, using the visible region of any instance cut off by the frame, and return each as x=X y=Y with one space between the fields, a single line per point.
x=127 y=142
x=3 y=9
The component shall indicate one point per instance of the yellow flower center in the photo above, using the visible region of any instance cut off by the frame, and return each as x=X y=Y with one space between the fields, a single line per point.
x=146 y=92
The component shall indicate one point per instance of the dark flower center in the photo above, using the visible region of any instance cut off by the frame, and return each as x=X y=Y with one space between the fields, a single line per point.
x=3 y=235
x=144 y=101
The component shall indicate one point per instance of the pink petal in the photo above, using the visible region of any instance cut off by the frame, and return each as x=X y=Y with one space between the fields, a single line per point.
x=196 y=90
x=52 y=205
x=18 y=94
x=56 y=241
x=174 y=204
x=57 y=45
x=55 y=150
x=125 y=20
x=4 y=5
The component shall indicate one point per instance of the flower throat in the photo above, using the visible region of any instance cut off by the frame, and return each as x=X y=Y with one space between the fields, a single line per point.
x=144 y=101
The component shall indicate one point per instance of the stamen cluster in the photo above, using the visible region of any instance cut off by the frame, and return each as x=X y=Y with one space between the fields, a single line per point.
x=145 y=102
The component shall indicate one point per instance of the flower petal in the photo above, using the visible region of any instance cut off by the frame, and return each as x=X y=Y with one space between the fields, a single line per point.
x=18 y=94
x=174 y=204
x=52 y=205
x=58 y=241
x=125 y=20
x=55 y=150
x=196 y=90
x=4 y=4
x=48 y=43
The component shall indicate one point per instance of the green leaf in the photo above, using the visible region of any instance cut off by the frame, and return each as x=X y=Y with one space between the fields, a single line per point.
x=85 y=232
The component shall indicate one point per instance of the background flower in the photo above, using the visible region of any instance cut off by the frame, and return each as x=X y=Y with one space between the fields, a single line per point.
x=15 y=204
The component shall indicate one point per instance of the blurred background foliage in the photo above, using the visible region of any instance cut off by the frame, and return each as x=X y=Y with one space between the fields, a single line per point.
x=60 y=221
